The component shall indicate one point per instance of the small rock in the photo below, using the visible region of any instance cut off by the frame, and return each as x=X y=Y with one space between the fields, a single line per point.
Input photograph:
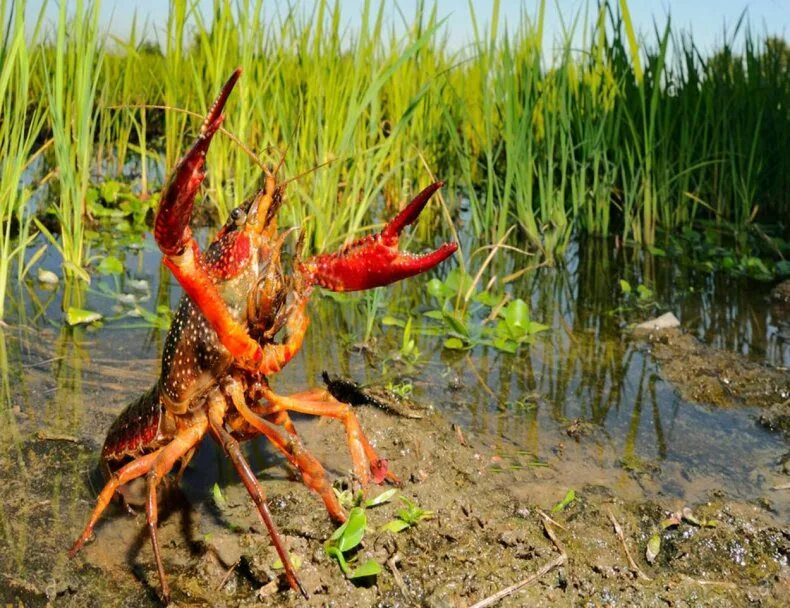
x=665 y=321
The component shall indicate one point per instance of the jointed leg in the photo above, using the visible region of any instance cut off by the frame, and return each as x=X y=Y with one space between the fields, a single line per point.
x=133 y=470
x=311 y=470
x=319 y=402
x=184 y=441
x=231 y=447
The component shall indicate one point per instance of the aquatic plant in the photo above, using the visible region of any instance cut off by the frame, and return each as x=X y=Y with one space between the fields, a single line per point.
x=21 y=121
x=632 y=136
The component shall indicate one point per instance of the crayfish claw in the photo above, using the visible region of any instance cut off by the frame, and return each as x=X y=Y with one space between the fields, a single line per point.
x=374 y=260
x=171 y=226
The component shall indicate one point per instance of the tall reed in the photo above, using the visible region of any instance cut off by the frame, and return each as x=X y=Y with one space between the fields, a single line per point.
x=628 y=135
x=21 y=120
x=71 y=77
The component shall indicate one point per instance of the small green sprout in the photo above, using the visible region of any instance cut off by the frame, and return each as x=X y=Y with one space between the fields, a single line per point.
x=346 y=538
x=407 y=517
x=569 y=498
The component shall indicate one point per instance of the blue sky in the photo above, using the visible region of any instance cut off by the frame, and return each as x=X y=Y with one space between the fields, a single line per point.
x=706 y=19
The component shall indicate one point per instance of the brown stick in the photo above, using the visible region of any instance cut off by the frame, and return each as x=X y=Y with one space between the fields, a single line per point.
x=490 y=601
x=619 y=531
x=558 y=561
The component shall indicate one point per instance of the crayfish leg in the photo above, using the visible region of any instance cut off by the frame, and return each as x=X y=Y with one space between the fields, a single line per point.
x=313 y=474
x=320 y=402
x=136 y=468
x=232 y=449
x=181 y=445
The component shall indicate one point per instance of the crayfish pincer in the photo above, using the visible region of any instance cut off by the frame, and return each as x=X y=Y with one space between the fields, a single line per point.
x=242 y=318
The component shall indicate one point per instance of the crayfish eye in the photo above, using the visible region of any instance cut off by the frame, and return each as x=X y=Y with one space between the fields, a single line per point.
x=238 y=216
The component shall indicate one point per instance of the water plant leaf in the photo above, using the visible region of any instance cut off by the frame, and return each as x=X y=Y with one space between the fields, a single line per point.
x=438 y=289
x=456 y=325
x=653 y=548
x=644 y=292
x=454 y=344
x=110 y=265
x=486 y=298
x=390 y=320
x=458 y=281
x=109 y=190
x=79 y=316
x=506 y=345
x=569 y=498
x=369 y=568
x=625 y=286
x=517 y=317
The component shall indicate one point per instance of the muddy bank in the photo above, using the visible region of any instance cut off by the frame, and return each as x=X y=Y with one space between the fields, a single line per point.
x=489 y=531
x=720 y=378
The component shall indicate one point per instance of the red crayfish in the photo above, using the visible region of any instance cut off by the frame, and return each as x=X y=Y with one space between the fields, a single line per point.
x=223 y=344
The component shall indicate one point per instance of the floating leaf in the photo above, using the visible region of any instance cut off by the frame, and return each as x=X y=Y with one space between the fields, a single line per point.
x=78 y=316
x=47 y=277
x=110 y=265
x=138 y=284
x=369 y=568
x=569 y=498
x=625 y=286
x=653 y=548
x=454 y=344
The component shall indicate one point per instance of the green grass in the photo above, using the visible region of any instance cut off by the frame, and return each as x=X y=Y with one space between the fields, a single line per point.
x=627 y=136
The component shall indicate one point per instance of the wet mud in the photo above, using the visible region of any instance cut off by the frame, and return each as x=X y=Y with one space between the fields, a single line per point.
x=493 y=527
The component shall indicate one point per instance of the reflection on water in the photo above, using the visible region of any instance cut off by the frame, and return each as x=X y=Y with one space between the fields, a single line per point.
x=582 y=404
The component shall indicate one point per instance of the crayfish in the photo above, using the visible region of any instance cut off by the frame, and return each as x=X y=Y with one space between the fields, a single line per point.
x=241 y=319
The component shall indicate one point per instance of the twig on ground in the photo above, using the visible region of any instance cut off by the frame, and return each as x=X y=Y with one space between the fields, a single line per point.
x=491 y=600
x=392 y=562
x=699 y=581
x=558 y=561
x=619 y=531
x=227 y=575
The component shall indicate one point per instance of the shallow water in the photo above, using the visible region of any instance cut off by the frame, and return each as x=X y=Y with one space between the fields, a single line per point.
x=62 y=387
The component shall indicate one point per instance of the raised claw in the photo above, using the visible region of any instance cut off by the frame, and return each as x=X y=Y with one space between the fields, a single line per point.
x=171 y=226
x=375 y=260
